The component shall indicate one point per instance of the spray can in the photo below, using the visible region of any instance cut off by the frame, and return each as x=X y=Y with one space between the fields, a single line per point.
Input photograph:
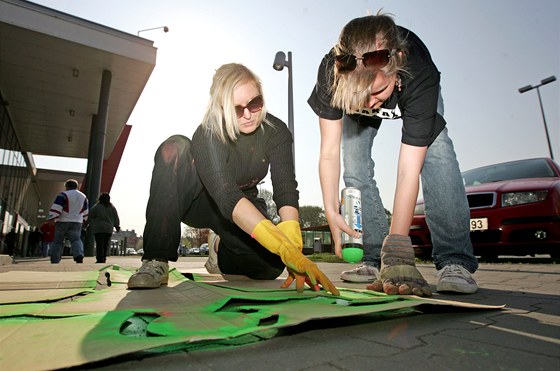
x=351 y=210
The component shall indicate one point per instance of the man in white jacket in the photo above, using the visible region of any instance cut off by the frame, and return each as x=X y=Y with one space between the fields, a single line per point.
x=69 y=211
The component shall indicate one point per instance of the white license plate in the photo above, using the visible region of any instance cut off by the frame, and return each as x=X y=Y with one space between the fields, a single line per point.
x=479 y=224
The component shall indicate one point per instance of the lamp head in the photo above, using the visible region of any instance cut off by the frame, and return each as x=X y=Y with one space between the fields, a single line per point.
x=525 y=89
x=548 y=79
x=279 y=61
x=165 y=29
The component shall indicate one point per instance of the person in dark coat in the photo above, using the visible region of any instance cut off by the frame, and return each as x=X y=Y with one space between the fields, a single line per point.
x=103 y=217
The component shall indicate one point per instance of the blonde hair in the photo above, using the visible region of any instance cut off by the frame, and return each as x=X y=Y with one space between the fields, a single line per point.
x=220 y=117
x=351 y=90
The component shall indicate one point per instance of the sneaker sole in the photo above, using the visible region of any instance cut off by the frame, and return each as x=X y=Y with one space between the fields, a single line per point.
x=144 y=286
x=357 y=279
x=147 y=285
x=453 y=287
x=135 y=287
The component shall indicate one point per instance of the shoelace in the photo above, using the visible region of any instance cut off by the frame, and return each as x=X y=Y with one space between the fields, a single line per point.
x=366 y=268
x=152 y=269
x=455 y=271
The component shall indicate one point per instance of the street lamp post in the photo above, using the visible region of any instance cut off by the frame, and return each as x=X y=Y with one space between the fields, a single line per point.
x=280 y=62
x=528 y=88
x=165 y=29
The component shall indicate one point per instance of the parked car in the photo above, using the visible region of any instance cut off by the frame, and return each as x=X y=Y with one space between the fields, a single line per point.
x=514 y=207
x=194 y=251
x=204 y=249
x=130 y=251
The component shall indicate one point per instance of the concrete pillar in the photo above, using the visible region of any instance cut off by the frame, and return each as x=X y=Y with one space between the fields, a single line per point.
x=97 y=150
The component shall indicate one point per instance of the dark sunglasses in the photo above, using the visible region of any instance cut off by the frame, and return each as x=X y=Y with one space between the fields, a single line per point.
x=377 y=59
x=254 y=105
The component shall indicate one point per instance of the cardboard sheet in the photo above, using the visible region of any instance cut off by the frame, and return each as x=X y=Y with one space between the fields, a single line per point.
x=56 y=328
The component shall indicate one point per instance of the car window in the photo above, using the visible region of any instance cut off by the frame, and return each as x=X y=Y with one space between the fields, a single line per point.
x=534 y=168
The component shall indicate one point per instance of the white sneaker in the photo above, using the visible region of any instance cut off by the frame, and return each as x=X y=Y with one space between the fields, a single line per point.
x=151 y=275
x=212 y=262
x=362 y=273
x=455 y=278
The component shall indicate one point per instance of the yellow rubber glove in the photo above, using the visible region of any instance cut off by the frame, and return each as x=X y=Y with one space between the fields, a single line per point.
x=292 y=230
x=275 y=241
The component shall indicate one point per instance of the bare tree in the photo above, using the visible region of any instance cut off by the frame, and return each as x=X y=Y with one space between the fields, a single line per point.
x=389 y=216
x=192 y=237
x=311 y=216
x=266 y=195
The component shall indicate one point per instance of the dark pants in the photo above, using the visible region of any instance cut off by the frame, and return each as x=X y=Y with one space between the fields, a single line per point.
x=177 y=195
x=101 y=245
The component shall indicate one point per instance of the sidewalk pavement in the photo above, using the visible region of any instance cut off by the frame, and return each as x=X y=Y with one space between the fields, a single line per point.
x=523 y=336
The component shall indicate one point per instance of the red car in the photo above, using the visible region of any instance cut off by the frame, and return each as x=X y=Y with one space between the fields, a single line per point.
x=515 y=210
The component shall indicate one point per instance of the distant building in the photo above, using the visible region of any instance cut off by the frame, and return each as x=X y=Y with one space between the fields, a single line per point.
x=124 y=239
x=317 y=239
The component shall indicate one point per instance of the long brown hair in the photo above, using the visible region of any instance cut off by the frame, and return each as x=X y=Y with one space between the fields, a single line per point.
x=351 y=90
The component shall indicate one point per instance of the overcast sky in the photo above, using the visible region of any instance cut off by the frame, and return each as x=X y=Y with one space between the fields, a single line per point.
x=485 y=50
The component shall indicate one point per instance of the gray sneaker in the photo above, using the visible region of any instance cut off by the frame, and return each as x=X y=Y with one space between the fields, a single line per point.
x=211 y=264
x=362 y=273
x=455 y=278
x=151 y=275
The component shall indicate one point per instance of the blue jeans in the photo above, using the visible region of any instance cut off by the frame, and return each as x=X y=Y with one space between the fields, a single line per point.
x=359 y=171
x=74 y=233
x=447 y=210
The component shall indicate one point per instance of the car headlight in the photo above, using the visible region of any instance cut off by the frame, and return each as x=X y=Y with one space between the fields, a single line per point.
x=419 y=209
x=520 y=198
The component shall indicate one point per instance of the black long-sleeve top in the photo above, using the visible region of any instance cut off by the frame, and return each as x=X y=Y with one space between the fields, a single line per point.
x=416 y=104
x=230 y=171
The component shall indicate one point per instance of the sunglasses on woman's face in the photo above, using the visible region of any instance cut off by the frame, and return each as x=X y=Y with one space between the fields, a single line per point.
x=254 y=105
x=377 y=59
